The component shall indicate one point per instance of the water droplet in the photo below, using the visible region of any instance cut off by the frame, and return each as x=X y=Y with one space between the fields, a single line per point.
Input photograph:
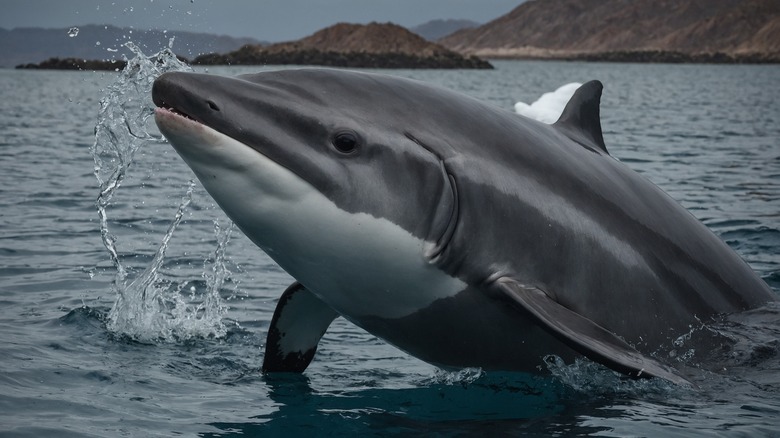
x=73 y=31
x=147 y=306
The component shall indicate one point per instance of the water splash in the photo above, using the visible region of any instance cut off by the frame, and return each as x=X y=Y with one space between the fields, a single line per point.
x=591 y=378
x=140 y=309
x=216 y=276
x=154 y=308
x=121 y=130
x=202 y=315
x=150 y=307
x=458 y=377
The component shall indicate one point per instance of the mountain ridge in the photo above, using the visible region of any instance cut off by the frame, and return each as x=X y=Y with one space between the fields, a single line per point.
x=586 y=28
x=436 y=29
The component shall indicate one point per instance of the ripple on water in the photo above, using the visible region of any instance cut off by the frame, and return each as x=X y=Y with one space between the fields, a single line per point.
x=64 y=370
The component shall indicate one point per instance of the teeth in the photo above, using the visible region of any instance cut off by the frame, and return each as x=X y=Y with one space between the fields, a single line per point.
x=178 y=113
x=182 y=114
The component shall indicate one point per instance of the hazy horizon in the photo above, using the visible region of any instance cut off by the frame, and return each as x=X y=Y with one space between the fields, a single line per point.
x=268 y=20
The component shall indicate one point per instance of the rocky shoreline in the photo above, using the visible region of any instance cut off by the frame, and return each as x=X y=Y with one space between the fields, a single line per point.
x=409 y=61
x=633 y=56
x=673 y=57
x=373 y=45
x=252 y=56
x=75 y=64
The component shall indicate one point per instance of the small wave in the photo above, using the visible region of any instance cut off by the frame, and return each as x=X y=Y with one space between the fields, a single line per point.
x=731 y=223
x=84 y=316
x=773 y=280
x=589 y=377
x=459 y=377
x=759 y=240
x=760 y=233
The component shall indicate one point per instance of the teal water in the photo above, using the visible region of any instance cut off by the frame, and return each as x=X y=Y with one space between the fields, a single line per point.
x=708 y=135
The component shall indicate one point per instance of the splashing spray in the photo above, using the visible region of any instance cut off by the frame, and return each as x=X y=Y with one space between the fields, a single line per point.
x=149 y=307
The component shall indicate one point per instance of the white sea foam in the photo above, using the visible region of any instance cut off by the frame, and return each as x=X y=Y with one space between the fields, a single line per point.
x=592 y=378
x=550 y=105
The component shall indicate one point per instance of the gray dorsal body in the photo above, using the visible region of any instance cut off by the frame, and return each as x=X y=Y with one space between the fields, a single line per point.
x=459 y=232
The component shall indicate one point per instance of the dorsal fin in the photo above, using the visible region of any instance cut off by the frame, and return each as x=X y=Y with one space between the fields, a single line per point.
x=580 y=120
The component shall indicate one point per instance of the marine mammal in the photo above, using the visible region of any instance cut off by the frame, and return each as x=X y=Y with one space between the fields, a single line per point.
x=459 y=232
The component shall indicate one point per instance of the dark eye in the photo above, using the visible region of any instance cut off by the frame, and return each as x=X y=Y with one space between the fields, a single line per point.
x=345 y=142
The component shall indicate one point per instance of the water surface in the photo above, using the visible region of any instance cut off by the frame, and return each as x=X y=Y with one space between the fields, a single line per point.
x=708 y=135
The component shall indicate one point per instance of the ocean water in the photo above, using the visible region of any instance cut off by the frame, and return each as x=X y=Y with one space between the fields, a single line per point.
x=148 y=317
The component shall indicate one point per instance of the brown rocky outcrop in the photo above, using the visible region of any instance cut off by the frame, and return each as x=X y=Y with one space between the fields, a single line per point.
x=651 y=30
x=374 y=45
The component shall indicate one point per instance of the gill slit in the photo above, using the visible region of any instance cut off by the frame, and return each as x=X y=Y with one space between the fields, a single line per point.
x=445 y=238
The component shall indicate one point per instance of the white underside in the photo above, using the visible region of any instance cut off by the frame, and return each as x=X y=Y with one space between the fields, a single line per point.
x=359 y=264
x=303 y=323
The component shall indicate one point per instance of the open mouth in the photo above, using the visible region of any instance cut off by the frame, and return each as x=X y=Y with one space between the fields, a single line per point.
x=163 y=110
x=161 y=91
x=170 y=109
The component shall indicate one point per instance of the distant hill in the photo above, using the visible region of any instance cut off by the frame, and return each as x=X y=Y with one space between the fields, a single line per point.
x=374 y=45
x=436 y=29
x=725 y=30
x=31 y=45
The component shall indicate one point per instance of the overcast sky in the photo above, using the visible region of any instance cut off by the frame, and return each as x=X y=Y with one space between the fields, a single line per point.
x=270 y=20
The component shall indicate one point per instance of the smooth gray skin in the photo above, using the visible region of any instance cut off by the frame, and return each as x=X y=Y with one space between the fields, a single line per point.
x=563 y=249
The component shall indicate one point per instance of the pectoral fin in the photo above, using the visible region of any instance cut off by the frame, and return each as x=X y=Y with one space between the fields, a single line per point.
x=585 y=336
x=299 y=321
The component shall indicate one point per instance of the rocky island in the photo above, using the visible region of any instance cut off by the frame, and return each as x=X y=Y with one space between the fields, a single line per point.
x=75 y=64
x=375 y=45
x=670 y=31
